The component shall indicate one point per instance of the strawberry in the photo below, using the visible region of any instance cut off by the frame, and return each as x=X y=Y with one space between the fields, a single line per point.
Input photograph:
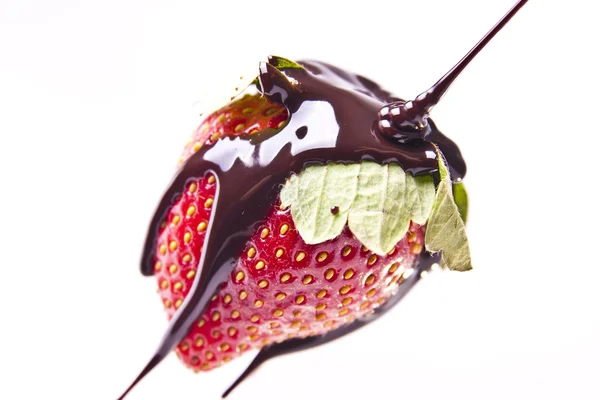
x=281 y=287
x=248 y=114
x=280 y=293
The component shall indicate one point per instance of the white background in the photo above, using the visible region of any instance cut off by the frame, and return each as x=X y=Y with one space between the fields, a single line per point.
x=97 y=99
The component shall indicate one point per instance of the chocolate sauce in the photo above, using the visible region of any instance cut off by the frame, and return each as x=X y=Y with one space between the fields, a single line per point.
x=334 y=116
x=406 y=121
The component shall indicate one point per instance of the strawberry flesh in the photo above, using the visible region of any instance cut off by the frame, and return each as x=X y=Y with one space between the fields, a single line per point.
x=281 y=287
x=246 y=115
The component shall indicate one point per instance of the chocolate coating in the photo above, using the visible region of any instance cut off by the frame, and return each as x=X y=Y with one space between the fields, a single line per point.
x=332 y=118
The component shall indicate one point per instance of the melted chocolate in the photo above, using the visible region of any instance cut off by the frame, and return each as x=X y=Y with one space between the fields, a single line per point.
x=334 y=116
x=406 y=121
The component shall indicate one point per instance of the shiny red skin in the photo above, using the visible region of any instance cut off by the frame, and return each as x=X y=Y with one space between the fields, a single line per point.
x=281 y=287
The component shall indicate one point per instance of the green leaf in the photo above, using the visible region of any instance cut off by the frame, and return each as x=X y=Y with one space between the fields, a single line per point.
x=280 y=63
x=446 y=229
x=283 y=63
x=313 y=194
x=377 y=201
x=461 y=199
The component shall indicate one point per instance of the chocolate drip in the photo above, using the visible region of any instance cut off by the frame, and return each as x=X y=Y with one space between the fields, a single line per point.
x=423 y=264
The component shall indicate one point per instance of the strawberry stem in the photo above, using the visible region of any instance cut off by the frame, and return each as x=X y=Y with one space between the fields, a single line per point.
x=274 y=84
x=410 y=118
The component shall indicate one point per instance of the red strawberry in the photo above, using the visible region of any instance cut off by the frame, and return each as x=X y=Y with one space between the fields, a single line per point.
x=281 y=287
x=248 y=114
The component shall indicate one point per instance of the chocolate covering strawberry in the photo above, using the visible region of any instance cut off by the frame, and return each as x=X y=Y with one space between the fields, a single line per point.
x=302 y=210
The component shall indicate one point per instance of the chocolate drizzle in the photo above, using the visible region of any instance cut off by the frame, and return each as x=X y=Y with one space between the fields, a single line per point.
x=334 y=116
x=407 y=121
